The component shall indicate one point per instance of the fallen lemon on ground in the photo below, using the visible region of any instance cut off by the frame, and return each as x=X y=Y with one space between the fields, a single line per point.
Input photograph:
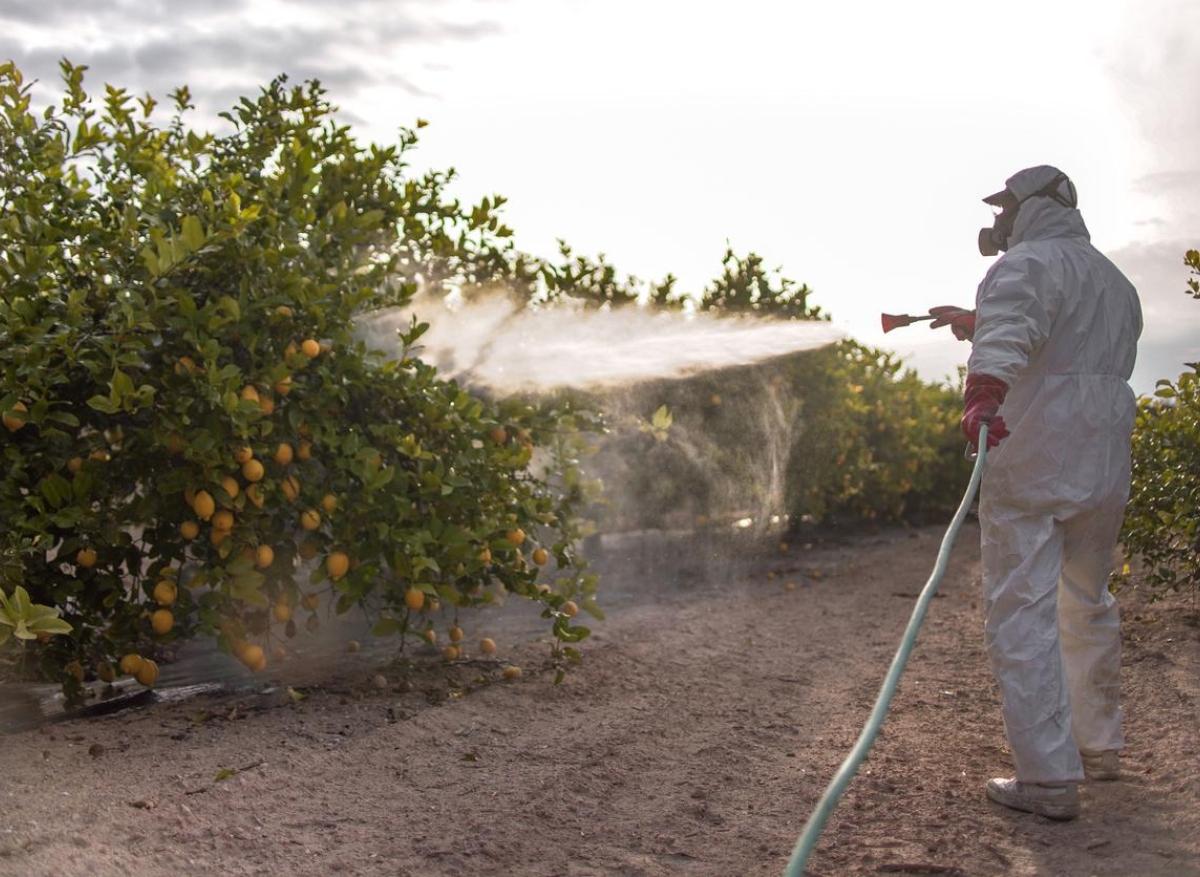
x=147 y=672
x=512 y=672
x=487 y=645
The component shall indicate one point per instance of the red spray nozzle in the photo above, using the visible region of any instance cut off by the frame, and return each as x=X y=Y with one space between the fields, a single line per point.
x=895 y=321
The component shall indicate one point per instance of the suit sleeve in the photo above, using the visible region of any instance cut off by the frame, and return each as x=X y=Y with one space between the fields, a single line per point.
x=1015 y=308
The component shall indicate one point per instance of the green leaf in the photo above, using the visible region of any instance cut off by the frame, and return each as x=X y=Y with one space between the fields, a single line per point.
x=193 y=233
x=103 y=404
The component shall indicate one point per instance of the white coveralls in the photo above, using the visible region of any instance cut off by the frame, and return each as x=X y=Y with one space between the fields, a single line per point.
x=1058 y=323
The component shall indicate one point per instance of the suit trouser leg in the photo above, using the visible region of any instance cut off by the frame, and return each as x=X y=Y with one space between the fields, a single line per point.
x=1090 y=626
x=1022 y=564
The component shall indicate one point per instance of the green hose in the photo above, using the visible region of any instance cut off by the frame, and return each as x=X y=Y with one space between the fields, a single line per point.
x=812 y=829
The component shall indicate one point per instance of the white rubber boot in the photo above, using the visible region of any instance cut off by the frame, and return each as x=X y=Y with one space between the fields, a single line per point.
x=1053 y=802
x=1104 y=766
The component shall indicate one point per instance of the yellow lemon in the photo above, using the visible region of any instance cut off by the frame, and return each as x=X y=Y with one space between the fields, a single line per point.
x=283 y=454
x=130 y=663
x=311 y=348
x=14 y=419
x=230 y=486
x=329 y=503
x=336 y=564
x=161 y=621
x=223 y=520
x=264 y=556
x=310 y=519
x=165 y=593
x=86 y=557
x=252 y=470
x=204 y=505
x=487 y=645
x=146 y=673
x=414 y=599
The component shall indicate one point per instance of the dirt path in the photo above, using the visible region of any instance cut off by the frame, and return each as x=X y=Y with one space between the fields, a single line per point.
x=694 y=741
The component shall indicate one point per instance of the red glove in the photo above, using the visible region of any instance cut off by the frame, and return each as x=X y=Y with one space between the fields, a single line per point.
x=960 y=321
x=982 y=399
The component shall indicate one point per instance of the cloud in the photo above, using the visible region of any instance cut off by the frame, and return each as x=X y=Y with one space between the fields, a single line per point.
x=1156 y=73
x=224 y=49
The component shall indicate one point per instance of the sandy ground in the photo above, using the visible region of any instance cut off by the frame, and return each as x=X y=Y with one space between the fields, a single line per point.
x=694 y=740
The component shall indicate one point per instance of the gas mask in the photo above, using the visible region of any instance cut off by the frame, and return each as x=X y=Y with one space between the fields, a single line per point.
x=995 y=239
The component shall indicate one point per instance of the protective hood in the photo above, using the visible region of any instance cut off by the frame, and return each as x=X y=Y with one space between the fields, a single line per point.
x=1043 y=210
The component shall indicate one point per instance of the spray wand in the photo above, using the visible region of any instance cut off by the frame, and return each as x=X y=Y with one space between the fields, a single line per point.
x=960 y=321
x=896 y=321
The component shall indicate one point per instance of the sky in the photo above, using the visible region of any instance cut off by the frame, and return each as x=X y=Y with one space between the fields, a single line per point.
x=847 y=142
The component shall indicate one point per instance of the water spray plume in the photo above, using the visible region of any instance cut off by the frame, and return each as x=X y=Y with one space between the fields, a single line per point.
x=896 y=321
x=497 y=343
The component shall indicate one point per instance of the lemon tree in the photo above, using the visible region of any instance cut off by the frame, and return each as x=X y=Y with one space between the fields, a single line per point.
x=195 y=441
x=1162 y=522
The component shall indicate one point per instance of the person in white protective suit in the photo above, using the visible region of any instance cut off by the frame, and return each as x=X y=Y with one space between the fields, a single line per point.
x=1054 y=335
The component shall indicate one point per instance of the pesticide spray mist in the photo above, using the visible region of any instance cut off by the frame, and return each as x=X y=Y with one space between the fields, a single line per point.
x=495 y=343
x=730 y=462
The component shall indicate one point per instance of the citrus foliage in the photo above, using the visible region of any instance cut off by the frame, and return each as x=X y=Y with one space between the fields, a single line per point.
x=190 y=421
x=1162 y=522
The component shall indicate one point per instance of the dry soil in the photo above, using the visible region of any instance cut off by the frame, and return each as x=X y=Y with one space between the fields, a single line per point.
x=706 y=719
